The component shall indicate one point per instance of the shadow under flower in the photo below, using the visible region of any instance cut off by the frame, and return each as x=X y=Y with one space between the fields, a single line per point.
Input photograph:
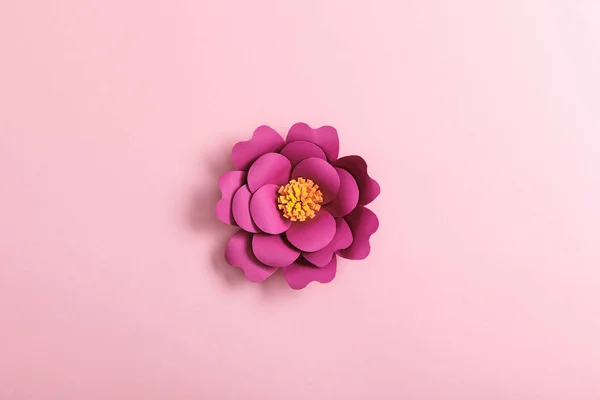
x=201 y=215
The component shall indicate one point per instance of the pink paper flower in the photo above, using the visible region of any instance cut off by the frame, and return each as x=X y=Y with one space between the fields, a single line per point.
x=298 y=205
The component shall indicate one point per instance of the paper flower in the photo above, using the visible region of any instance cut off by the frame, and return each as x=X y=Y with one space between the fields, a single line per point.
x=297 y=204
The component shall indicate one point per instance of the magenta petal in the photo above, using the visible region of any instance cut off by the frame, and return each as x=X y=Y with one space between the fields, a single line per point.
x=347 y=197
x=301 y=150
x=229 y=182
x=363 y=223
x=301 y=273
x=312 y=234
x=273 y=250
x=368 y=187
x=341 y=240
x=239 y=254
x=263 y=208
x=269 y=168
x=322 y=173
x=325 y=137
x=241 y=209
x=264 y=140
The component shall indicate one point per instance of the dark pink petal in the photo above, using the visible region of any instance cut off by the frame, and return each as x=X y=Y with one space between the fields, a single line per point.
x=301 y=150
x=312 y=234
x=273 y=250
x=347 y=197
x=368 y=187
x=229 y=183
x=241 y=210
x=322 y=173
x=341 y=240
x=363 y=223
x=263 y=208
x=264 y=140
x=239 y=254
x=269 y=168
x=325 y=137
x=301 y=273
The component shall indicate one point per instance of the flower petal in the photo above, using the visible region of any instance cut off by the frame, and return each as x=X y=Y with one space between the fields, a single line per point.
x=239 y=254
x=347 y=197
x=325 y=137
x=229 y=182
x=368 y=187
x=264 y=140
x=263 y=208
x=322 y=173
x=273 y=250
x=363 y=223
x=301 y=273
x=312 y=234
x=301 y=150
x=241 y=210
x=269 y=168
x=341 y=240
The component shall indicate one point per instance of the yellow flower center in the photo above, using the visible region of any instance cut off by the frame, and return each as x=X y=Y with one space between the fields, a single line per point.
x=299 y=199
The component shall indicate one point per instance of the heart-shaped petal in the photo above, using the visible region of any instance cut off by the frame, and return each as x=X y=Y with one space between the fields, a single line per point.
x=229 y=183
x=326 y=137
x=238 y=253
x=264 y=140
x=299 y=274
x=368 y=187
x=363 y=223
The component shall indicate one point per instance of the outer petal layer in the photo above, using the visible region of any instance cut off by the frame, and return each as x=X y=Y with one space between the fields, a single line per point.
x=269 y=168
x=312 y=234
x=363 y=223
x=322 y=173
x=229 y=183
x=301 y=273
x=273 y=250
x=341 y=240
x=368 y=187
x=239 y=254
x=263 y=208
x=264 y=140
x=325 y=137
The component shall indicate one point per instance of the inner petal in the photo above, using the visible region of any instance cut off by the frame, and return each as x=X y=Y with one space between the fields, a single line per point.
x=321 y=172
x=313 y=234
x=264 y=212
x=341 y=240
x=269 y=168
x=241 y=210
x=347 y=197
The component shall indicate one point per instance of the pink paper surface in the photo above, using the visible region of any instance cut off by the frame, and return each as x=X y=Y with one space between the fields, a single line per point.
x=478 y=119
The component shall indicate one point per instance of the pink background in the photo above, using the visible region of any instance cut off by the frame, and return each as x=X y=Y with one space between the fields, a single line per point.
x=479 y=119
